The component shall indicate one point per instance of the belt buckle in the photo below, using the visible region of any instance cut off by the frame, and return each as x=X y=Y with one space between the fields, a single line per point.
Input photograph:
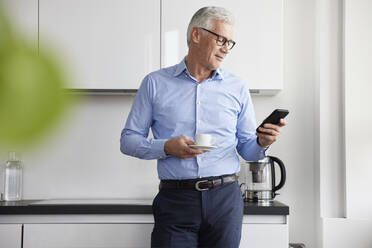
x=197 y=185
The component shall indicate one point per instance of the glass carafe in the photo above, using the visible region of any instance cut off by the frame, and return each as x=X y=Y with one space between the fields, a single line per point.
x=13 y=178
x=259 y=176
x=258 y=179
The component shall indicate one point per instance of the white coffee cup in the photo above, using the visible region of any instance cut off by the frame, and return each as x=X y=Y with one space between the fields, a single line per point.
x=203 y=139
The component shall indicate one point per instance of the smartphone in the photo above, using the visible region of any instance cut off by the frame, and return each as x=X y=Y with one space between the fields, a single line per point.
x=274 y=117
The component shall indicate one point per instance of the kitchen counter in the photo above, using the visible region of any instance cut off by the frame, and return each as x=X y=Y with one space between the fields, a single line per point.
x=113 y=206
x=118 y=223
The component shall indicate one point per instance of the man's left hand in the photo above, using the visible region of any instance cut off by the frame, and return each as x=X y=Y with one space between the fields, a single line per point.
x=270 y=133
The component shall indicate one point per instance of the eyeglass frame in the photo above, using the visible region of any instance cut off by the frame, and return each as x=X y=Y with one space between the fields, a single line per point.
x=217 y=40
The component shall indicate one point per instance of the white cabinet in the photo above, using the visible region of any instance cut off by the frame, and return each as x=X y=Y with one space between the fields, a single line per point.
x=264 y=236
x=131 y=231
x=257 y=56
x=10 y=235
x=134 y=235
x=113 y=44
x=23 y=18
x=265 y=231
x=87 y=235
x=104 y=44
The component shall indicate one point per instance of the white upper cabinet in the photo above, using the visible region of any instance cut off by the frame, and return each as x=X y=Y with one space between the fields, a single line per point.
x=258 y=54
x=22 y=15
x=113 y=44
x=104 y=44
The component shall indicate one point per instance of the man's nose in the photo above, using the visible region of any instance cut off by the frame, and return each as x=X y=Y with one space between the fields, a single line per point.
x=225 y=48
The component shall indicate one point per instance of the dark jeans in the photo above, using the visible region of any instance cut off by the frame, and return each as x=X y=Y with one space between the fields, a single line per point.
x=208 y=219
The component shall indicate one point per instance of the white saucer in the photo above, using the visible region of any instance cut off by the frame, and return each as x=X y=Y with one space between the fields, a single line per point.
x=204 y=148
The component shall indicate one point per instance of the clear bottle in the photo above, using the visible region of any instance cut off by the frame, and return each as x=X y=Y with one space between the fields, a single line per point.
x=13 y=178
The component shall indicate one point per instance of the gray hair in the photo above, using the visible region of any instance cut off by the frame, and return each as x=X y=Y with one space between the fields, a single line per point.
x=204 y=17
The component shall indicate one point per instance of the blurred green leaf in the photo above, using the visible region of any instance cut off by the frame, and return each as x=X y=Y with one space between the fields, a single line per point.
x=31 y=90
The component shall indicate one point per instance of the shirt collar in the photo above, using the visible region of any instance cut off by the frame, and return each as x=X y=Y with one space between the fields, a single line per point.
x=217 y=74
x=181 y=67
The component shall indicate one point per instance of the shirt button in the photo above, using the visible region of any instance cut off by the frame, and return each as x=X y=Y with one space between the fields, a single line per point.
x=198 y=102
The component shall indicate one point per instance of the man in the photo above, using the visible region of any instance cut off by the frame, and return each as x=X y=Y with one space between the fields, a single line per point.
x=199 y=203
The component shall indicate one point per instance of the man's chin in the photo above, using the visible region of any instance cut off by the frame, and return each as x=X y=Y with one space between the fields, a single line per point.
x=215 y=66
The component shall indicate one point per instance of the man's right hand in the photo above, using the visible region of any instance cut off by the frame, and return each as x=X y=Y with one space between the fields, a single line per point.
x=179 y=147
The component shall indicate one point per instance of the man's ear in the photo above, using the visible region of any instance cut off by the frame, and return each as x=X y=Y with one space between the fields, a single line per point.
x=196 y=35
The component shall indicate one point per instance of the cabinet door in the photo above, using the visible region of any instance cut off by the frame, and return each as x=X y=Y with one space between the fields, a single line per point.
x=23 y=18
x=257 y=56
x=104 y=44
x=264 y=236
x=87 y=235
x=10 y=235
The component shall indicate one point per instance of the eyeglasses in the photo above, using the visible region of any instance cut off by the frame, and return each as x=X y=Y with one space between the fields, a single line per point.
x=221 y=40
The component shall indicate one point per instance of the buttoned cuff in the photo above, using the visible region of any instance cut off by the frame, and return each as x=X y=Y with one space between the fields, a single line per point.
x=158 y=148
x=262 y=150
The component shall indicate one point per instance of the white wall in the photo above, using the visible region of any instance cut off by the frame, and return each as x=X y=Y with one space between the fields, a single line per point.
x=342 y=143
x=358 y=118
x=329 y=110
x=83 y=159
x=296 y=146
x=346 y=233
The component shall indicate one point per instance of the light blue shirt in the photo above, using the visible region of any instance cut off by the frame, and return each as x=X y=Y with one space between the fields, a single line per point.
x=172 y=103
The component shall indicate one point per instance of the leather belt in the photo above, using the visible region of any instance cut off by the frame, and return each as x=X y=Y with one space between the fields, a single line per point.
x=198 y=184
